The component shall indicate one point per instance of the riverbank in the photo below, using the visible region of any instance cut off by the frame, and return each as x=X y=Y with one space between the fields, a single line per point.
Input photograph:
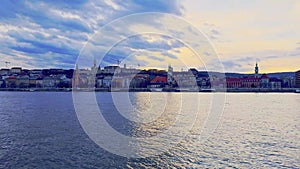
x=240 y=90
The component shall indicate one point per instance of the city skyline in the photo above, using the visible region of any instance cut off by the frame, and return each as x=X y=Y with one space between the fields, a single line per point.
x=152 y=79
x=252 y=70
x=51 y=34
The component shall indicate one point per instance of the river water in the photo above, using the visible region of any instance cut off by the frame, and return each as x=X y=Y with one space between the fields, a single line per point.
x=256 y=130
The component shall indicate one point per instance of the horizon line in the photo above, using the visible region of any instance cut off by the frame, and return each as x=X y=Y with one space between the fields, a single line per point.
x=199 y=70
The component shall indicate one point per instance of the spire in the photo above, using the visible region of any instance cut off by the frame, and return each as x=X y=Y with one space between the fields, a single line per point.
x=76 y=67
x=256 y=70
x=95 y=62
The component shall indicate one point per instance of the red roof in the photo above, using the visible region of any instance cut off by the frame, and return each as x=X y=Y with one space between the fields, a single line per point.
x=12 y=77
x=252 y=78
x=244 y=79
x=264 y=76
x=229 y=79
x=159 y=79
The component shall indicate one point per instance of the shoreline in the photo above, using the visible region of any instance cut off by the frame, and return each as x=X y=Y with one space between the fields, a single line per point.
x=242 y=90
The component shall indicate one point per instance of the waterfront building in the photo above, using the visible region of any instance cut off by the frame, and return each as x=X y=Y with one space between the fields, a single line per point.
x=139 y=81
x=15 y=70
x=11 y=82
x=99 y=82
x=264 y=81
x=158 y=82
x=275 y=83
x=36 y=72
x=287 y=82
x=111 y=69
x=51 y=82
x=2 y=84
x=76 y=78
x=106 y=82
x=4 y=72
x=22 y=81
x=185 y=79
x=25 y=72
x=120 y=82
x=92 y=75
x=297 y=79
x=39 y=82
x=170 y=75
x=32 y=81
x=194 y=71
x=203 y=83
x=234 y=82
x=129 y=70
x=56 y=71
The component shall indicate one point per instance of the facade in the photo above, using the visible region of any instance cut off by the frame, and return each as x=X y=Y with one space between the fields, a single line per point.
x=246 y=82
x=111 y=69
x=2 y=84
x=288 y=82
x=170 y=75
x=139 y=81
x=4 y=72
x=234 y=82
x=254 y=81
x=106 y=82
x=185 y=79
x=297 y=79
x=50 y=82
x=11 y=82
x=264 y=81
x=275 y=83
x=120 y=82
x=158 y=82
x=39 y=82
x=22 y=82
x=16 y=70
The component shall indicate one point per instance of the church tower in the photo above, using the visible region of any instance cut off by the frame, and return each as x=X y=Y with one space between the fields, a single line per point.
x=170 y=75
x=76 y=78
x=256 y=70
x=94 y=68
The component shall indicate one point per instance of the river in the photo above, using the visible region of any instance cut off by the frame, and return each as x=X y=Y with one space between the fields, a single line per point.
x=255 y=130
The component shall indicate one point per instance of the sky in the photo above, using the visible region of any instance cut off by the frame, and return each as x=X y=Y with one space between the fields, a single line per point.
x=54 y=33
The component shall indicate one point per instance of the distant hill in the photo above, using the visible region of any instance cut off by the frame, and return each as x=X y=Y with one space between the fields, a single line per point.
x=277 y=74
x=281 y=74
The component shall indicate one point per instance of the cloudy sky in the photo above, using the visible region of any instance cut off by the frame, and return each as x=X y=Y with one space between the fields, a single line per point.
x=53 y=33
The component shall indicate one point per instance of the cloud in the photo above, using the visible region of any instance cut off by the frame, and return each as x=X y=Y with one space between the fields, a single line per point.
x=271 y=57
x=170 y=55
x=231 y=64
x=215 y=32
x=156 y=58
x=41 y=44
x=155 y=47
x=168 y=6
x=53 y=32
